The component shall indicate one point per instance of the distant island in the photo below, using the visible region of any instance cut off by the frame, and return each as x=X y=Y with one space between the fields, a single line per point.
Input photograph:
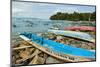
x=75 y=16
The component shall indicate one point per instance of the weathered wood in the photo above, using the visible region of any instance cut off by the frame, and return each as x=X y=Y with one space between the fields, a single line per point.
x=32 y=55
x=45 y=56
x=34 y=60
x=23 y=47
x=24 y=54
x=52 y=60
x=41 y=60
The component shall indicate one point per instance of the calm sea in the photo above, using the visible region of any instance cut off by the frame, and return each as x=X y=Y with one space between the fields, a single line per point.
x=36 y=25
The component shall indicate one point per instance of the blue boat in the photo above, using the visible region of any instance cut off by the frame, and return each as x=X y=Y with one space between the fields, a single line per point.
x=57 y=48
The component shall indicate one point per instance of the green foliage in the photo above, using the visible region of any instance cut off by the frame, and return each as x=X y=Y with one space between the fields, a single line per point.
x=74 y=16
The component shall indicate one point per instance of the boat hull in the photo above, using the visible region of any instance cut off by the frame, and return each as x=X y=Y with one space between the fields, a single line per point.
x=73 y=34
x=81 y=28
x=58 y=50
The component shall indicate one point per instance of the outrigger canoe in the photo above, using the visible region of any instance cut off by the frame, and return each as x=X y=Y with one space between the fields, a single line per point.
x=73 y=34
x=58 y=50
x=81 y=28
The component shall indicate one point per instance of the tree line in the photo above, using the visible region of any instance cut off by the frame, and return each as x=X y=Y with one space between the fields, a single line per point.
x=75 y=16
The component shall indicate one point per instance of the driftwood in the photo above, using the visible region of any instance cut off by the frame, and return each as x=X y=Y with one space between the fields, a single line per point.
x=23 y=47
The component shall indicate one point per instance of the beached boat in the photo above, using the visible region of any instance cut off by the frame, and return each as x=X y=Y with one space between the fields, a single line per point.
x=74 y=34
x=81 y=28
x=58 y=50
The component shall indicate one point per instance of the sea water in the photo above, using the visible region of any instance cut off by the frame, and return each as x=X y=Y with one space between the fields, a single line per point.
x=37 y=25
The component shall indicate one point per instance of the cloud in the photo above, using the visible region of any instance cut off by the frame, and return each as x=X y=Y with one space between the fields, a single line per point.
x=44 y=10
x=67 y=9
x=15 y=10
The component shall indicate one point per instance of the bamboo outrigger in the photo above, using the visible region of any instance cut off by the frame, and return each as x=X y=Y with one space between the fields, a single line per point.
x=65 y=57
x=21 y=47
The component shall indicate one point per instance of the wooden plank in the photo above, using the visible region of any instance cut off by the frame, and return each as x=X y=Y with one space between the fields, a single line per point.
x=34 y=60
x=45 y=57
x=24 y=54
x=41 y=60
x=23 y=47
x=35 y=53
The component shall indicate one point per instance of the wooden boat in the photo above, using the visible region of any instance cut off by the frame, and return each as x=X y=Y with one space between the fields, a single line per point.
x=58 y=50
x=74 y=34
x=81 y=28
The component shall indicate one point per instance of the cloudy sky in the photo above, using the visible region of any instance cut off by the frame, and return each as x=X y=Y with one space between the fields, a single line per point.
x=44 y=10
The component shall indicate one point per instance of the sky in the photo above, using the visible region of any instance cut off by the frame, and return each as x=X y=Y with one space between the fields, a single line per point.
x=45 y=10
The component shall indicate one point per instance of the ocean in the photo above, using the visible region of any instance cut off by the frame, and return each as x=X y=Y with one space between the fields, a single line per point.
x=37 y=25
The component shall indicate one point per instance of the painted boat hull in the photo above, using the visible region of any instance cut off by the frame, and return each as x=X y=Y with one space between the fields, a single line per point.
x=81 y=28
x=57 y=50
x=74 y=34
